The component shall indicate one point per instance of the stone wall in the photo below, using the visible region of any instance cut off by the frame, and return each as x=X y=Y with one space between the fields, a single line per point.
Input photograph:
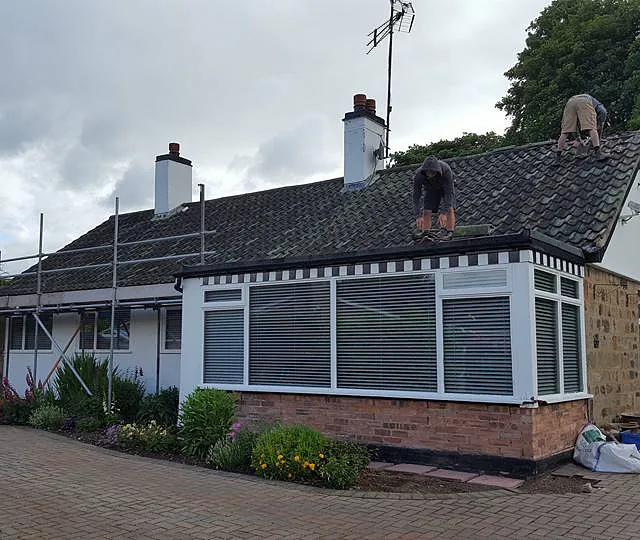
x=612 y=335
x=506 y=431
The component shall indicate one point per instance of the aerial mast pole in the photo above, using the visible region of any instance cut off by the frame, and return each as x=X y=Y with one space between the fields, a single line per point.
x=401 y=20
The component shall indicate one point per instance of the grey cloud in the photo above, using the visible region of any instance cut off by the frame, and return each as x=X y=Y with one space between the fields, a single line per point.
x=254 y=88
x=292 y=155
x=135 y=189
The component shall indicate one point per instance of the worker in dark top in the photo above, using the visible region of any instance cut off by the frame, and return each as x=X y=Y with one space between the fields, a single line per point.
x=434 y=191
x=588 y=114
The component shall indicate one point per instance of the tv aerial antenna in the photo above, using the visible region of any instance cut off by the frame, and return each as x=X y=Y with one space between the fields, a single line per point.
x=400 y=20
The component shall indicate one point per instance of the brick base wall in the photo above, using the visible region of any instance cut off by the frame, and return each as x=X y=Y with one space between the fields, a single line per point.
x=467 y=428
x=612 y=336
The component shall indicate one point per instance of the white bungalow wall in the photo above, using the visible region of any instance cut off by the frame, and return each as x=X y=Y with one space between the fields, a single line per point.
x=622 y=255
x=141 y=353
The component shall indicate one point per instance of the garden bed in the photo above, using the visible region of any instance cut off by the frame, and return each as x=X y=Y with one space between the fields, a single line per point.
x=378 y=480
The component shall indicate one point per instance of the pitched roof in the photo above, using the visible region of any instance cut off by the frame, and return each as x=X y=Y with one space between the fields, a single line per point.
x=515 y=189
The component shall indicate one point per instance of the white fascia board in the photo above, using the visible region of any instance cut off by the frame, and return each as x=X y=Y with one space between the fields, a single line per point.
x=162 y=290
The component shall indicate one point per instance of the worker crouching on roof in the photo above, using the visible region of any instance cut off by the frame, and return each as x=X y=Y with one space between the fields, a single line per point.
x=587 y=113
x=434 y=191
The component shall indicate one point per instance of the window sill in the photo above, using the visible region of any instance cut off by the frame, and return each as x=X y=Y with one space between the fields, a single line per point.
x=393 y=394
x=560 y=398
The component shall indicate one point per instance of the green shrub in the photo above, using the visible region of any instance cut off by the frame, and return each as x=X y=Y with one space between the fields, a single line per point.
x=206 y=417
x=298 y=452
x=70 y=392
x=128 y=392
x=149 y=438
x=90 y=424
x=233 y=454
x=161 y=407
x=47 y=417
x=288 y=452
x=342 y=465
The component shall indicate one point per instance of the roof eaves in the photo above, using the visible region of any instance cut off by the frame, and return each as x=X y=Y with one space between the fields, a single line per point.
x=524 y=240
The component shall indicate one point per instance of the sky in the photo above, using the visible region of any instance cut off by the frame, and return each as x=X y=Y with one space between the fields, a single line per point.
x=253 y=91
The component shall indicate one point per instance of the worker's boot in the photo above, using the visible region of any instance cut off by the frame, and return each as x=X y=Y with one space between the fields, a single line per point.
x=599 y=154
x=557 y=158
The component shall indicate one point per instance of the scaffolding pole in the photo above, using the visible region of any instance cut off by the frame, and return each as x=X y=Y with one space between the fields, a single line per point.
x=38 y=308
x=114 y=298
x=38 y=299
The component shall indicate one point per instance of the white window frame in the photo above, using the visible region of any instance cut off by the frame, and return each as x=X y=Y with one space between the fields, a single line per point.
x=94 y=349
x=22 y=349
x=559 y=299
x=163 y=331
x=333 y=389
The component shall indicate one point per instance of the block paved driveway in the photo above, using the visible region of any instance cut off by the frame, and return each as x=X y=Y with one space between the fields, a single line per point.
x=53 y=487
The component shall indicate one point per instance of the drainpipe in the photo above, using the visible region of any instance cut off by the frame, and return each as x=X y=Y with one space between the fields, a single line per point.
x=157 y=310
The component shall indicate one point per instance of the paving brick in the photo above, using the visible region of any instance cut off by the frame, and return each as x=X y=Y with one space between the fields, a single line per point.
x=59 y=489
x=447 y=474
x=496 y=481
x=379 y=465
x=411 y=468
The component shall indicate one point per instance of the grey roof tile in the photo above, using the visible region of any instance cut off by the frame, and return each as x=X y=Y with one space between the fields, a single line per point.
x=514 y=189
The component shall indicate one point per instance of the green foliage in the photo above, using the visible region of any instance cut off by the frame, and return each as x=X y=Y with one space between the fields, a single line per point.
x=574 y=47
x=152 y=437
x=128 y=392
x=47 y=416
x=233 y=454
x=465 y=145
x=206 y=417
x=90 y=424
x=343 y=464
x=70 y=392
x=287 y=452
x=296 y=453
x=161 y=407
x=15 y=409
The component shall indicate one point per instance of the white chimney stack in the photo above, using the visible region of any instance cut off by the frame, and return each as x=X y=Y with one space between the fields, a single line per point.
x=364 y=147
x=173 y=180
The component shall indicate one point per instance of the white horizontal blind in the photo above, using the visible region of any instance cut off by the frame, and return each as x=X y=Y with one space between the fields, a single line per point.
x=173 y=329
x=569 y=287
x=571 y=351
x=223 y=295
x=544 y=281
x=386 y=333
x=223 y=347
x=547 y=346
x=289 y=335
x=477 y=346
x=465 y=280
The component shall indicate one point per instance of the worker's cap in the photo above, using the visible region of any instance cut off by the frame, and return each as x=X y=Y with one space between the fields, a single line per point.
x=431 y=164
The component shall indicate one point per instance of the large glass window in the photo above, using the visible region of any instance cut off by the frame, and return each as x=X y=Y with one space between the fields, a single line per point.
x=95 y=333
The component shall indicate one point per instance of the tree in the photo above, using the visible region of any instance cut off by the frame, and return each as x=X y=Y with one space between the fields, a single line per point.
x=466 y=145
x=574 y=47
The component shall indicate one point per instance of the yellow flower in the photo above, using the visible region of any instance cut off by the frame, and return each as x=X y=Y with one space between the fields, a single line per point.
x=312 y=466
x=305 y=464
x=280 y=456
x=289 y=475
x=321 y=455
x=263 y=465
x=297 y=458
